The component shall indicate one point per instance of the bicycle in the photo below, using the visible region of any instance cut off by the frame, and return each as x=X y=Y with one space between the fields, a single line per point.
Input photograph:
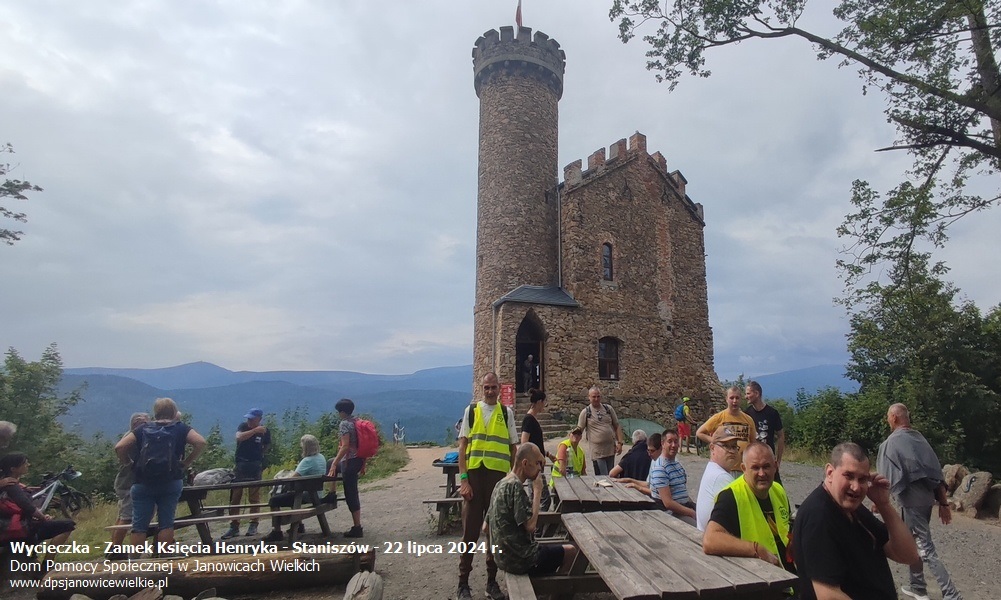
x=54 y=494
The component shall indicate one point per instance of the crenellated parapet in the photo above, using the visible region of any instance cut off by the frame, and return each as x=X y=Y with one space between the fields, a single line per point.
x=504 y=52
x=600 y=162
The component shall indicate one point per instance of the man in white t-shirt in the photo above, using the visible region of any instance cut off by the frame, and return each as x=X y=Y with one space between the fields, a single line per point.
x=722 y=448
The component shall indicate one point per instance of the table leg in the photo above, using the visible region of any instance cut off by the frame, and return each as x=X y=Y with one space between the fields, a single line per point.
x=321 y=518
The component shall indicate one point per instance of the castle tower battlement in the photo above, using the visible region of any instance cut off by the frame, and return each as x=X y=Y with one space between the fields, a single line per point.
x=539 y=56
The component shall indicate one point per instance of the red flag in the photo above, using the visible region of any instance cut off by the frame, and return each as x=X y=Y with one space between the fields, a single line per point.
x=517 y=15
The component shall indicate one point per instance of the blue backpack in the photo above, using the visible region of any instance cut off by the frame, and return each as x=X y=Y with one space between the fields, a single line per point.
x=679 y=413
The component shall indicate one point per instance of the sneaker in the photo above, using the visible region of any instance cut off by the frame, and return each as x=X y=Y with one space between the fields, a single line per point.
x=232 y=532
x=354 y=532
x=252 y=529
x=275 y=536
x=912 y=594
x=464 y=593
x=494 y=592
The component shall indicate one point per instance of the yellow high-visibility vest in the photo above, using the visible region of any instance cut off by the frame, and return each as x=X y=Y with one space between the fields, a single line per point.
x=489 y=443
x=577 y=456
x=753 y=526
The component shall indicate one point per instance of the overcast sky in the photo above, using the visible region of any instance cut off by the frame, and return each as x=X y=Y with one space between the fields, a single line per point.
x=292 y=185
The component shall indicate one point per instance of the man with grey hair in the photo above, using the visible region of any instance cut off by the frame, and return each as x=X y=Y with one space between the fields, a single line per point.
x=601 y=431
x=840 y=548
x=635 y=464
x=907 y=460
x=7 y=431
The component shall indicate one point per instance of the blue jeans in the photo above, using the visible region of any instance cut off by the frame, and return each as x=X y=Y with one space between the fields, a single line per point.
x=162 y=495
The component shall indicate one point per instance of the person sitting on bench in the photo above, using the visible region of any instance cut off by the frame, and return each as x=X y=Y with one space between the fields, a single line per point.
x=312 y=464
x=512 y=521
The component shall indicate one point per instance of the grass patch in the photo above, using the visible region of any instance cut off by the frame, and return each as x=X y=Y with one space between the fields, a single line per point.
x=801 y=455
x=390 y=459
x=90 y=530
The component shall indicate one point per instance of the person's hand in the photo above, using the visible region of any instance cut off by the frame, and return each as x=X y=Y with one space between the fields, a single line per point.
x=762 y=553
x=261 y=429
x=945 y=513
x=8 y=481
x=538 y=483
x=465 y=490
x=618 y=447
x=879 y=490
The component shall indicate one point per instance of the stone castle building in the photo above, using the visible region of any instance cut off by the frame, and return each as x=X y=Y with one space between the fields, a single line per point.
x=601 y=278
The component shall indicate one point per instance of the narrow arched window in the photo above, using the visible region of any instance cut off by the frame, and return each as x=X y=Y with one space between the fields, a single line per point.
x=606 y=262
x=608 y=358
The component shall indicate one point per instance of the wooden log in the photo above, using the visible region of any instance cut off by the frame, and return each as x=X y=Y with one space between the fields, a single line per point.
x=228 y=573
x=364 y=586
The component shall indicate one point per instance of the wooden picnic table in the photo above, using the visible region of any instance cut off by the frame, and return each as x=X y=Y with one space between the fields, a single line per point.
x=306 y=490
x=451 y=471
x=451 y=502
x=646 y=555
x=583 y=494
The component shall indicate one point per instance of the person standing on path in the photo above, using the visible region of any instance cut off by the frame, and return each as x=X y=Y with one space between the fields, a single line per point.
x=531 y=432
x=683 y=415
x=767 y=422
x=907 y=460
x=487 y=444
x=601 y=431
x=252 y=442
x=739 y=423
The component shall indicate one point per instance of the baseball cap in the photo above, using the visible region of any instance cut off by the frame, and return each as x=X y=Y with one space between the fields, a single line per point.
x=723 y=434
x=255 y=413
x=685 y=399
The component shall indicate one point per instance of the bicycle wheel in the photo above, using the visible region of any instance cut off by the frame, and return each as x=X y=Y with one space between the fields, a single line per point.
x=73 y=502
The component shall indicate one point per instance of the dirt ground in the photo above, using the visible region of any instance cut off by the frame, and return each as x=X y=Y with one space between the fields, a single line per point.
x=392 y=512
x=393 y=516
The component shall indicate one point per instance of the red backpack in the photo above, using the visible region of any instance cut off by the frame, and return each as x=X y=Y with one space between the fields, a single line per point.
x=368 y=438
x=13 y=527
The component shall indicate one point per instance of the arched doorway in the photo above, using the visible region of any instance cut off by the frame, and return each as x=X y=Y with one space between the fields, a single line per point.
x=529 y=349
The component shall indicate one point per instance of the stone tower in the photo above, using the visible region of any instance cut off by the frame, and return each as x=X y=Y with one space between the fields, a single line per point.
x=519 y=81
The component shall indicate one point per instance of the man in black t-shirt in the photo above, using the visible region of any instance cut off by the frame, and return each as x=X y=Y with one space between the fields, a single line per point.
x=252 y=441
x=840 y=548
x=767 y=422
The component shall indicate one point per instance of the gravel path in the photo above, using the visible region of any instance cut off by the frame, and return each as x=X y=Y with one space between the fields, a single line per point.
x=392 y=512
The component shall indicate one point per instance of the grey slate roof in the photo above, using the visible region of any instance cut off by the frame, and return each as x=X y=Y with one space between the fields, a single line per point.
x=538 y=294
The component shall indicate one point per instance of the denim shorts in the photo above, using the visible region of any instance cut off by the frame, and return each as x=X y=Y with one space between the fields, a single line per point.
x=162 y=495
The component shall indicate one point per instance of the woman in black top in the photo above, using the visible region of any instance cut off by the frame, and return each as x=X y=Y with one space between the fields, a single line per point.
x=531 y=432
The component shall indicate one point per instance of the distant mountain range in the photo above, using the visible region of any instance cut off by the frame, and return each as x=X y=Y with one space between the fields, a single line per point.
x=427 y=402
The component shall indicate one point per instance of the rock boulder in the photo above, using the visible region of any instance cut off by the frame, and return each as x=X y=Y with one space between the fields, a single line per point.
x=954 y=475
x=972 y=490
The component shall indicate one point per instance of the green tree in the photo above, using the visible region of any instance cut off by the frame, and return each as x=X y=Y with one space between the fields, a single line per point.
x=216 y=454
x=913 y=341
x=933 y=60
x=29 y=398
x=14 y=189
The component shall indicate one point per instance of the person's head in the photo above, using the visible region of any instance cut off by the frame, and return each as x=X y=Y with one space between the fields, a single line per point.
x=254 y=417
x=669 y=444
x=759 y=468
x=165 y=409
x=137 y=420
x=594 y=396
x=309 y=444
x=847 y=476
x=530 y=358
x=753 y=393
x=575 y=435
x=491 y=388
x=7 y=431
x=898 y=416
x=733 y=399
x=638 y=436
x=723 y=447
x=653 y=445
x=14 y=464
x=345 y=407
x=538 y=398
x=528 y=462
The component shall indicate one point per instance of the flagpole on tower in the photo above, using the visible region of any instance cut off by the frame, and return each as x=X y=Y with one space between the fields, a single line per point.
x=517 y=15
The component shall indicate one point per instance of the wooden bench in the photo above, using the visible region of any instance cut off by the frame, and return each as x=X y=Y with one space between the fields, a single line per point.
x=444 y=506
x=519 y=587
x=288 y=516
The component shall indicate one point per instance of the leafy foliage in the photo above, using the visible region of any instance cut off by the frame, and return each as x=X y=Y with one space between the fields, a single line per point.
x=14 y=189
x=933 y=60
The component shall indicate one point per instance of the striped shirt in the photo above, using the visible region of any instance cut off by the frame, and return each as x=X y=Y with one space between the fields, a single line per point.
x=664 y=472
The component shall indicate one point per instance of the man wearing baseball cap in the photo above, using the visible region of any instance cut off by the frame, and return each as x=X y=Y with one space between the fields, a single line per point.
x=252 y=441
x=722 y=449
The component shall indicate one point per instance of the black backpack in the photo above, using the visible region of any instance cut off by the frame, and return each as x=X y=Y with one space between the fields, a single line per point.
x=158 y=460
x=471 y=415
